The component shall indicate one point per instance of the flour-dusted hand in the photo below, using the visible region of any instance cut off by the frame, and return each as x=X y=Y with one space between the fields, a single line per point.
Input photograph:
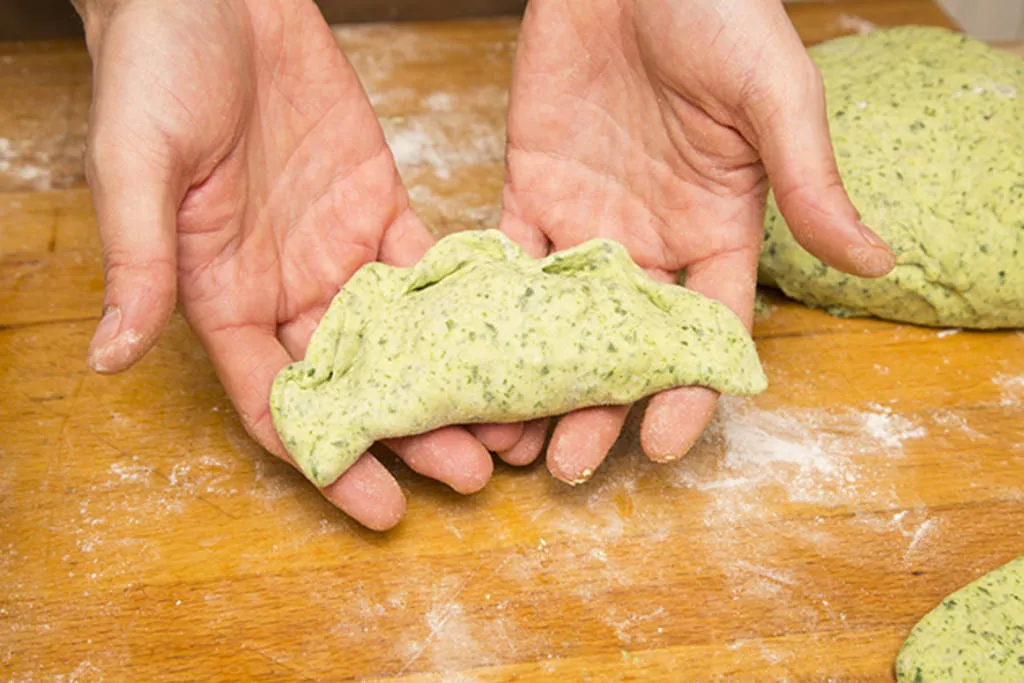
x=660 y=124
x=237 y=167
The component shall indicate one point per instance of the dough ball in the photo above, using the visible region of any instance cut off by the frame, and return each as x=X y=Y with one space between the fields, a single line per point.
x=928 y=129
x=976 y=634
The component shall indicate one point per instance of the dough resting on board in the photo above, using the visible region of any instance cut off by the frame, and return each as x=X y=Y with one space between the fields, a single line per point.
x=480 y=332
x=976 y=634
x=928 y=129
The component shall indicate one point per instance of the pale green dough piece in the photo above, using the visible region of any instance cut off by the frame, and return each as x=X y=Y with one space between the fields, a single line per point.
x=480 y=332
x=976 y=634
x=928 y=129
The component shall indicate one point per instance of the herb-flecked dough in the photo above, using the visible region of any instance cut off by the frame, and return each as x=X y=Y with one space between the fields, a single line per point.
x=478 y=331
x=928 y=130
x=976 y=634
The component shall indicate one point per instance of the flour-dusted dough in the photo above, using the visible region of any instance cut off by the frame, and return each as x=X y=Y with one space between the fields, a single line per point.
x=480 y=332
x=928 y=129
x=976 y=634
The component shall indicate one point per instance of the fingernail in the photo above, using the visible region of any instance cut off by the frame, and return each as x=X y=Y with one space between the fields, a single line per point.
x=582 y=478
x=106 y=332
x=871 y=238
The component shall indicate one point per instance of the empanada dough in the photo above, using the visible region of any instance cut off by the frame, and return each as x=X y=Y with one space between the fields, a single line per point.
x=976 y=634
x=928 y=129
x=480 y=332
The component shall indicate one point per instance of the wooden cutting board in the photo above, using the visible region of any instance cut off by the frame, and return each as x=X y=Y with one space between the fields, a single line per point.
x=143 y=537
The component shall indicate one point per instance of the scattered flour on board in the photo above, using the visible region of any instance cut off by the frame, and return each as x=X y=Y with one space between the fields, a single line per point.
x=811 y=454
x=448 y=209
x=442 y=142
x=440 y=101
x=1011 y=389
x=30 y=167
x=951 y=421
x=851 y=23
x=750 y=462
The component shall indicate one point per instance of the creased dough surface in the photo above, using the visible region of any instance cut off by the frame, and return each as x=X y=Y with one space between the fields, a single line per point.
x=478 y=331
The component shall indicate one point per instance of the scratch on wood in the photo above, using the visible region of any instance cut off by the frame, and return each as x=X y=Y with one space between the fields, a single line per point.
x=449 y=611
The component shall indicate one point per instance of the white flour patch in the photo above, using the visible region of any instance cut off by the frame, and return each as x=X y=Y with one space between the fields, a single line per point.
x=48 y=155
x=751 y=467
x=850 y=23
x=442 y=142
x=391 y=97
x=27 y=163
x=812 y=456
x=952 y=422
x=452 y=209
x=926 y=527
x=889 y=429
x=624 y=623
x=1011 y=389
x=376 y=53
x=440 y=101
x=453 y=638
x=131 y=472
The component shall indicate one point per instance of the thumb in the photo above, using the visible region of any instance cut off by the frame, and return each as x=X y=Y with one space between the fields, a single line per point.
x=136 y=208
x=792 y=137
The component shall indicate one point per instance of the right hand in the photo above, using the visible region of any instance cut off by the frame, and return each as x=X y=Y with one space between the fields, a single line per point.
x=659 y=125
x=237 y=166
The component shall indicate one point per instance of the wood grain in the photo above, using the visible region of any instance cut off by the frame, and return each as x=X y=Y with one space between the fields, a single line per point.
x=144 y=537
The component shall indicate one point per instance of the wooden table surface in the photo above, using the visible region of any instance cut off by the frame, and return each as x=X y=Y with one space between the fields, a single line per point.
x=144 y=537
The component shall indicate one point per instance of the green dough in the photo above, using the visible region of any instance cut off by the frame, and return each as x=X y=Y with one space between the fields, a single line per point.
x=976 y=634
x=480 y=332
x=928 y=129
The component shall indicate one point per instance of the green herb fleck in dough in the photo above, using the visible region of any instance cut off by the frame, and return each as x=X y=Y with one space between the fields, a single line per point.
x=478 y=331
x=928 y=129
x=976 y=634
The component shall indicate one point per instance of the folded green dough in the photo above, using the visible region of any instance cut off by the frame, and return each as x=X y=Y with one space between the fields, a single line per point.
x=478 y=331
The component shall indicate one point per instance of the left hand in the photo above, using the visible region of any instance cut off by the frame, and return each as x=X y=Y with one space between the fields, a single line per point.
x=239 y=171
x=660 y=125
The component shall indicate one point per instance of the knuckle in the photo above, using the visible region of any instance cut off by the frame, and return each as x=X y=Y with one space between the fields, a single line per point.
x=121 y=262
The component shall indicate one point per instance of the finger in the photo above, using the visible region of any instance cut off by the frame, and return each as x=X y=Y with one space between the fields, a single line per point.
x=368 y=493
x=667 y=277
x=295 y=335
x=247 y=358
x=136 y=205
x=729 y=277
x=675 y=419
x=450 y=455
x=497 y=437
x=529 y=238
x=405 y=241
x=529 y=445
x=791 y=134
x=582 y=440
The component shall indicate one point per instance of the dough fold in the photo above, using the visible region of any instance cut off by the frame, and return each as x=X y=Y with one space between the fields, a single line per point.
x=478 y=331
x=928 y=130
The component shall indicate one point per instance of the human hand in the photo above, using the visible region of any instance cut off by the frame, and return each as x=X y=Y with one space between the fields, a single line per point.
x=659 y=125
x=236 y=165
